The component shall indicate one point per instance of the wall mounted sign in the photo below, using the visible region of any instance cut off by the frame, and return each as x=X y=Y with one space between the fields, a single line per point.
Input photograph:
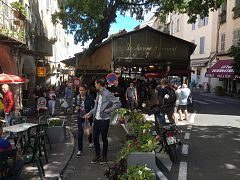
x=41 y=71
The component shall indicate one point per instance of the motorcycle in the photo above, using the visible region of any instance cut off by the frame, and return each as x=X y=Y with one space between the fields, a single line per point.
x=166 y=133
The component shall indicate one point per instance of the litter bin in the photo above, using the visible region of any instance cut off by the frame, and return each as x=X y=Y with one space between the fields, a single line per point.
x=218 y=91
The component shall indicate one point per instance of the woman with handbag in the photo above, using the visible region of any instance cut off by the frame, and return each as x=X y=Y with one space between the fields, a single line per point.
x=84 y=103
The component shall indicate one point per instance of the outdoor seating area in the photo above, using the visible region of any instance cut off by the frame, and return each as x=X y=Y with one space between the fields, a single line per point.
x=30 y=139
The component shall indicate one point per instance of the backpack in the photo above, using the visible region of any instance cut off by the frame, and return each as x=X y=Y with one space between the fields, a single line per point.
x=169 y=97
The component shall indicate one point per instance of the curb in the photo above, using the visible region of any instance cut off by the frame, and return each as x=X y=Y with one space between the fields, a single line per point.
x=72 y=141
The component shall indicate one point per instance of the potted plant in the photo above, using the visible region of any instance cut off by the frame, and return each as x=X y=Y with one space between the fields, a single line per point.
x=19 y=10
x=56 y=130
x=138 y=173
x=140 y=148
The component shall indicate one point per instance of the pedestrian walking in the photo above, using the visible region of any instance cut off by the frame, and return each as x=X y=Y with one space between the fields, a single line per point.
x=177 y=93
x=105 y=104
x=84 y=103
x=37 y=93
x=51 y=100
x=183 y=100
x=9 y=106
x=167 y=99
x=131 y=96
x=68 y=95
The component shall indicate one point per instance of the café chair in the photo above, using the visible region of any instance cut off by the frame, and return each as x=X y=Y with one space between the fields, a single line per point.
x=44 y=138
x=43 y=120
x=32 y=132
x=7 y=164
x=21 y=119
x=31 y=155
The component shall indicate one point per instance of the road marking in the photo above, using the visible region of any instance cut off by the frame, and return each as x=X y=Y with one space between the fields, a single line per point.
x=213 y=101
x=182 y=171
x=161 y=175
x=200 y=102
x=189 y=127
x=187 y=135
x=185 y=149
x=192 y=117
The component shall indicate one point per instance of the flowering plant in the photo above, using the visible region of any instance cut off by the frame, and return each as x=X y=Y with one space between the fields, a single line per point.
x=116 y=170
x=138 y=145
x=138 y=173
x=140 y=130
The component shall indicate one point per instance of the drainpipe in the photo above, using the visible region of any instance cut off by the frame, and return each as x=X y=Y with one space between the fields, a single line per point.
x=216 y=48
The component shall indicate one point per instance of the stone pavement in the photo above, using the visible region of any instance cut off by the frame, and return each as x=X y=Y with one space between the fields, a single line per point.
x=81 y=168
x=58 y=158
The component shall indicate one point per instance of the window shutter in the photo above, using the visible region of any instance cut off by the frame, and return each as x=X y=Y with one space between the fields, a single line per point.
x=202 y=45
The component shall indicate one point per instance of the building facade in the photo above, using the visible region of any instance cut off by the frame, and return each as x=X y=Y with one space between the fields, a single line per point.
x=29 y=41
x=213 y=35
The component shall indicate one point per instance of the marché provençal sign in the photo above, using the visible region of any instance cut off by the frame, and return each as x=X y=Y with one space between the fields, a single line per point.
x=148 y=48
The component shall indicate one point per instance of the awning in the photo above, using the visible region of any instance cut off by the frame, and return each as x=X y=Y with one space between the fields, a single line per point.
x=70 y=62
x=199 y=63
x=222 y=69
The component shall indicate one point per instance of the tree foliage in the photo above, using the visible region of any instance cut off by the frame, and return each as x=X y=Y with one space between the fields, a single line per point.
x=235 y=53
x=91 y=19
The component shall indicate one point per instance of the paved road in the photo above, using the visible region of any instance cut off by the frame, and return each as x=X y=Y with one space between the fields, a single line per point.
x=211 y=142
x=210 y=150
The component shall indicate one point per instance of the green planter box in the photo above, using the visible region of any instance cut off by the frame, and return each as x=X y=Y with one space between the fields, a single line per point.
x=56 y=130
x=142 y=158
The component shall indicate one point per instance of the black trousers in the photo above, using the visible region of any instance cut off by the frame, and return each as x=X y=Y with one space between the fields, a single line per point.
x=80 y=133
x=100 y=127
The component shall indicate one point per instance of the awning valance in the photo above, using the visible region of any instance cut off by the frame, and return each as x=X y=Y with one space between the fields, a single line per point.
x=199 y=63
x=222 y=69
x=70 y=61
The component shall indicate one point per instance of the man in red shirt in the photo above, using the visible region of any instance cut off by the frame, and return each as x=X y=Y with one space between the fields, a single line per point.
x=8 y=102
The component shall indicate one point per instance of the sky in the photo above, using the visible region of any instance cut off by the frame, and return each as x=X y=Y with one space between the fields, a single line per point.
x=122 y=22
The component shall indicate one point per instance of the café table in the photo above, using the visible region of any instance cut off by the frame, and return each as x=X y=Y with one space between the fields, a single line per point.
x=19 y=129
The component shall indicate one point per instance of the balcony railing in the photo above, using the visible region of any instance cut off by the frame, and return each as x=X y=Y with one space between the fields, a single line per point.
x=43 y=46
x=236 y=12
x=12 y=29
x=222 y=17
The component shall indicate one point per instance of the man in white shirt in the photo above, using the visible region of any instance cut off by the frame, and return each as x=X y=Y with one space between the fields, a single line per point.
x=182 y=107
x=105 y=104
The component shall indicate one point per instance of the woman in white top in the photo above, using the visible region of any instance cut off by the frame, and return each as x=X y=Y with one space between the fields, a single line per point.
x=51 y=100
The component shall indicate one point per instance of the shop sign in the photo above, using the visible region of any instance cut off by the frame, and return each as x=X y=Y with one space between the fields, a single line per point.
x=41 y=71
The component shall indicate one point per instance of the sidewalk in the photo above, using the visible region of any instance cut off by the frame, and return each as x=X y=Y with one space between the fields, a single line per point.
x=58 y=158
x=81 y=168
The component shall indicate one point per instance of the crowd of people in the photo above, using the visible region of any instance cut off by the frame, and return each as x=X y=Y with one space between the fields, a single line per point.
x=94 y=104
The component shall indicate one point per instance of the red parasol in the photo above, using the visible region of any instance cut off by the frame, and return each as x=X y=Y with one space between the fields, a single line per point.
x=12 y=79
